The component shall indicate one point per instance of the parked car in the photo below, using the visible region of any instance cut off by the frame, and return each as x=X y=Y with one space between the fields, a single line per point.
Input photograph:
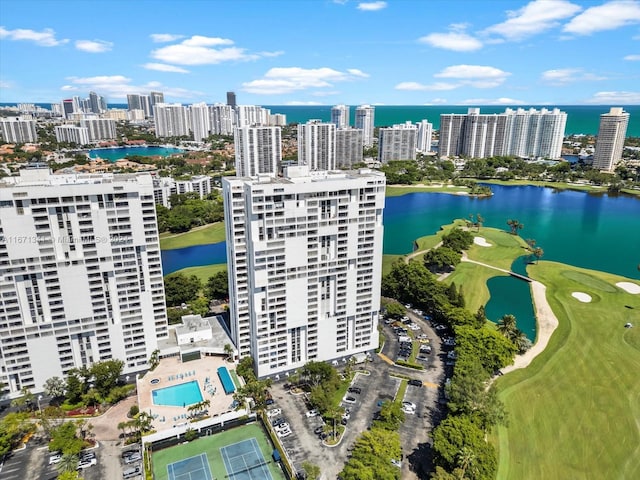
x=86 y=463
x=409 y=405
x=274 y=412
x=312 y=413
x=277 y=421
x=55 y=457
x=415 y=382
x=284 y=433
x=282 y=426
x=318 y=430
x=132 y=472
x=135 y=457
x=349 y=399
x=357 y=390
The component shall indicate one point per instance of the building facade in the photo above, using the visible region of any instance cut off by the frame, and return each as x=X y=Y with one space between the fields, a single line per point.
x=340 y=116
x=305 y=258
x=16 y=130
x=200 y=121
x=398 y=142
x=317 y=145
x=365 y=120
x=223 y=119
x=349 y=145
x=424 y=134
x=100 y=128
x=610 y=140
x=258 y=150
x=80 y=275
x=72 y=134
x=171 y=120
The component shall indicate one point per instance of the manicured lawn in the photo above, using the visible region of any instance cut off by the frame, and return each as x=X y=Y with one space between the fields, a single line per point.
x=388 y=261
x=573 y=413
x=212 y=233
x=203 y=273
x=397 y=191
x=473 y=278
x=506 y=247
x=211 y=446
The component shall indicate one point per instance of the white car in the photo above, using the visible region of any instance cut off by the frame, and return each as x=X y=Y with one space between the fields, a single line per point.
x=409 y=411
x=284 y=433
x=55 y=458
x=274 y=413
x=349 y=399
x=282 y=426
x=87 y=462
x=312 y=413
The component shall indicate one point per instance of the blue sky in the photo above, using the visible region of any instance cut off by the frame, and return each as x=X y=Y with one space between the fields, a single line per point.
x=278 y=52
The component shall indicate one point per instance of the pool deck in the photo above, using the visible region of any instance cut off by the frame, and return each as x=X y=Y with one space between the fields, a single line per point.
x=165 y=416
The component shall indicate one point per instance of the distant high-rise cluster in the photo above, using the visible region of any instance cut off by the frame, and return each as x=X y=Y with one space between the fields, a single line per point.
x=610 y=140
x=523 y=133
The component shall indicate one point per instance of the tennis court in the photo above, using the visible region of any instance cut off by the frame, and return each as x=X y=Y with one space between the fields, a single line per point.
x=193 y=468
x=244 y=461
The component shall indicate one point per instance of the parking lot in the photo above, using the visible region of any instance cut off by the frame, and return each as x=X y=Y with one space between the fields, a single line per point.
x=379 y=385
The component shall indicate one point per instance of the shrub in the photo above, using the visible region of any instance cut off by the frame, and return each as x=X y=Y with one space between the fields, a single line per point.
x=133 y=411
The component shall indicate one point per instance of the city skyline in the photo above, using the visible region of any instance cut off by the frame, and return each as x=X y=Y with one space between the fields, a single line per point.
x=539 y=52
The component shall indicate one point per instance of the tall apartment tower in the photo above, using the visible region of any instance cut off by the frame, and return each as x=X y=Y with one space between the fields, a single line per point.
x=305 y=260
x=317 y=145
x=348 y=147
x=610 y=140
x=68 y=107
x=100 y=128
x=171 y=120
x=80 y=274
x=72 y=134
x=340 y=116
x=425 y=132
x=231 y=99
x=200 y=121
x=365 y=121
x=258 y=150
x=140 y=102
x=223 y=119
x=16 y=130
x=398 y=142
x=251 y=115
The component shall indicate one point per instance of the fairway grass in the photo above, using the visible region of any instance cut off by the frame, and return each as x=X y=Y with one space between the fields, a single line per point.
x=573 y=413
x=203 y=273
x=204 y=235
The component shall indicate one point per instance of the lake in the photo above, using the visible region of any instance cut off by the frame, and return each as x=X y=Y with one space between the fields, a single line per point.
x=113 y=154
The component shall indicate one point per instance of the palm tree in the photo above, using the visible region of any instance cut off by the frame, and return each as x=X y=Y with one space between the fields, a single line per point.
x=531 y=242
x=538 y=253
x=521 y=342
x=466 y=459
x=68 y=463
x=228 y=351
x=507 y=326
x=479 y=221
x=122 y=426
x=515 y=225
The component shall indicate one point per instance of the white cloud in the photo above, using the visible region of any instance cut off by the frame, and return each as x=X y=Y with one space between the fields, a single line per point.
x=457 y=41
x=534 y=18
x=632 y=58
x=565 y=76
x=479 y=76
x=200 y=50
x=164 y=37
x=301 y=103
x=371 y=6
x=94 y=46
x=611 y=98
x=163 y=67
x=4 y=84
x=415 y=86
x=609 y=16
x=118 y=86
x=277 y=53
x=290 y=79
x=492 y=101
x=46 y=38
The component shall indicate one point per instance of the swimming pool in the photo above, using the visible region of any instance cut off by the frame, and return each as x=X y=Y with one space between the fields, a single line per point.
x=179 y=395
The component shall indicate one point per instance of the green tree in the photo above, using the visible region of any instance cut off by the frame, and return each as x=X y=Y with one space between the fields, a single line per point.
x=372 y=455
x=180 y=288
x=154 y=359
x=312 y=471
x=245 y=369
x=515 y=226
x=64 y=439
x=457 y=240
x=491 y=349
x=217 y=286
x=105 y=375
x=442 y=259
x=395 y=310
x=391 y=416
x=256 y=390
x=228 y=351
x=199 y=306
x=54 y=387
x=507 y=326
x=317 y=373
x=13 y=427
x=50 y=418
x=538 y=253
x=70 y=475
x=68 y=463
x=24 y=400
x=75 y=386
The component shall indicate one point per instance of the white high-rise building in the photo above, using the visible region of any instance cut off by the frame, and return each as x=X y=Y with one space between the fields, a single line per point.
x=398 y=142
x=278 y=120
x=200 y=121
x=223 y=119
x=305 y=262
x=425 y=132
x=610 y=141
x=348 y=147
x=16 y=130
x=317 y=145
x=365 y=120
x=80 y=275
x=100 y=128
x=258 y=150
x=140 y=102
x=72 y=134
x=251 y=115
x=522 y=133
x=340 y=116
x=171 y=120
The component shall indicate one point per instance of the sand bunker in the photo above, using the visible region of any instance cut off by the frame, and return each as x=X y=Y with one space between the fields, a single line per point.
x=581 y=297
x=481 y=241
x=629 y=287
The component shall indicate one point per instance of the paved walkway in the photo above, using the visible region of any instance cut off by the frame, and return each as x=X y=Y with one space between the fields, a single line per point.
x=105 y=427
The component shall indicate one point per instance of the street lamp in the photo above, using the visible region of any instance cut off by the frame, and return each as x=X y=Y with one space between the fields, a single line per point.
x=39 y=409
